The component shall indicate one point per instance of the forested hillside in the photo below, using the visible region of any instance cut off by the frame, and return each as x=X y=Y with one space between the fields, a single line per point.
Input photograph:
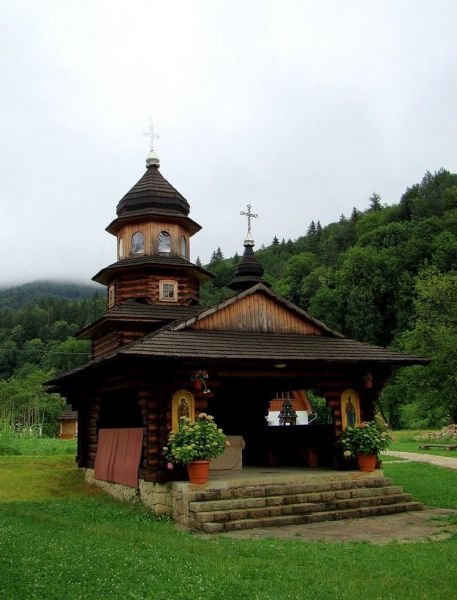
x=17 y=296
x=385 y=276
x=36 y=342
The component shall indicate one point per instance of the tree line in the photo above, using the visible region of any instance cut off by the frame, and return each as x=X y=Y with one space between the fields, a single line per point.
x=387 y=276
x=36 y=343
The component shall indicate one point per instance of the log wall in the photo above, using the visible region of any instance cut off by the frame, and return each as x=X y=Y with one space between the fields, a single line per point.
x=92 y=431
x=146 y=286
x=105 y=343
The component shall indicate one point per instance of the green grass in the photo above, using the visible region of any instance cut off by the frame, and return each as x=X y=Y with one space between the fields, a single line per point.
x=409 y=440
x=434 y=486
x=62 y=539
x=386 y=458
x=16 y=445
x=25 y=478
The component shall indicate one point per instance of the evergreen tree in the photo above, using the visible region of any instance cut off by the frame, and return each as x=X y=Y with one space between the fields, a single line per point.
x=216 y=257
x=375 y=202
x=354 y=215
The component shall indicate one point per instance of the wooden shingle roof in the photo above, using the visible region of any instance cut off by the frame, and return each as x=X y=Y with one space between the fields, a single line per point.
x=151 y=192
x=157 y=262
x=183 y=340
x=228 y=345
x=138 y=312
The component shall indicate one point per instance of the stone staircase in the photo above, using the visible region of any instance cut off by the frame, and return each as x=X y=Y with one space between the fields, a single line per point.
x=247 y=506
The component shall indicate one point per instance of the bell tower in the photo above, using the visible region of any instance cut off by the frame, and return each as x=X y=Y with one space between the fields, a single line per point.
x=153 y=281
x=153 y=231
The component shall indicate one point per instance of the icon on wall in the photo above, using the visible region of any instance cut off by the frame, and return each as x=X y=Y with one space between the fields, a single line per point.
x=182 y=406
x=350 y=409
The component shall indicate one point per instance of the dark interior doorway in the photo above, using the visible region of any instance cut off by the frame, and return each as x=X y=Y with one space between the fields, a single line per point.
x=240 y=407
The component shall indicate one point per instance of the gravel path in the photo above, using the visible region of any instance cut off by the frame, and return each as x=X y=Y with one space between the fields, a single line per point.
x=420 y=526
x=441 y=461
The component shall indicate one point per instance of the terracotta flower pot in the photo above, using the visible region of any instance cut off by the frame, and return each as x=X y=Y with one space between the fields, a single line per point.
x=366 y=462
x=198 y=471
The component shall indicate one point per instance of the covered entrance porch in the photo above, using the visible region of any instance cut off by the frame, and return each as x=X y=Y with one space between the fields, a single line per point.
x=239 y=396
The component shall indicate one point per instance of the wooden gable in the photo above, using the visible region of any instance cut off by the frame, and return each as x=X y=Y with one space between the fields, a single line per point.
x=257 y=313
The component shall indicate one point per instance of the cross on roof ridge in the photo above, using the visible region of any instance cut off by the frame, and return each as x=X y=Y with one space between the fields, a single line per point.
x=250 y=216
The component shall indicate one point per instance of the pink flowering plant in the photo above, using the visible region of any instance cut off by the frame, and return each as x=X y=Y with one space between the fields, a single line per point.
x=370 y=437
x=195 y=440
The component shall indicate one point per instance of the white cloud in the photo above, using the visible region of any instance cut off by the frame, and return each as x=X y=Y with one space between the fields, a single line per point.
x=302 y=109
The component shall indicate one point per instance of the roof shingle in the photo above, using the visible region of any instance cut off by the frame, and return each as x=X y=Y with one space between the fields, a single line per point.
x=201 y=344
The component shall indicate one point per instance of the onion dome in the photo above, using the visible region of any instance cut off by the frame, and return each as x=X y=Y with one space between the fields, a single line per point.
x=153 y=193
x=249 y=271
x=153 y=197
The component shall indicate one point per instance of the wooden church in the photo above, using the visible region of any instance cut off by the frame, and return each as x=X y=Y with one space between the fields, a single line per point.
x=157 y=350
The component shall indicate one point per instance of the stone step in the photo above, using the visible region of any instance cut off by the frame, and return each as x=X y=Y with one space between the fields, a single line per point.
x=314 y=517
x=283 y=489
x=262 y=501
x=225 y=515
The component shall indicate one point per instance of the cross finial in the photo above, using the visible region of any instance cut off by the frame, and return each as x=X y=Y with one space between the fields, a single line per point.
x=149 y=133
x=250 y=216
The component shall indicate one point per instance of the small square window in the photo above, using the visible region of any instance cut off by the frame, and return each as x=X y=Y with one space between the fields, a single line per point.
x=168 y=291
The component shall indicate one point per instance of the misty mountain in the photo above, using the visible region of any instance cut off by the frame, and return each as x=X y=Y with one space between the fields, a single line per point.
x=33 y=292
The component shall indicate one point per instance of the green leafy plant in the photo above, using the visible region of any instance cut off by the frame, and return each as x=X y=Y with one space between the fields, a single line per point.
x=195 y=440
x=369 y=437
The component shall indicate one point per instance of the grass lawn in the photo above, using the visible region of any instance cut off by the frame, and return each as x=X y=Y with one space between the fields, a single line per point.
x=60 y=539
x=407 y=441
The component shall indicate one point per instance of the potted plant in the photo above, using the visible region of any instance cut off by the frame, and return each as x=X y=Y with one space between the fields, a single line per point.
x=195 y=444
x=365 y=442
x=199 y=380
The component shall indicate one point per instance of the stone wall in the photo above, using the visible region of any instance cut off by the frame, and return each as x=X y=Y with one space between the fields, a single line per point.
x=155 y=496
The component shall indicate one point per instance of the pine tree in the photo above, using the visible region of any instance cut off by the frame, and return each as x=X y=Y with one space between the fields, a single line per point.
x=375 y=202
x=216 y=256
x=312 y=229
x=198 y=262
x=275 y=241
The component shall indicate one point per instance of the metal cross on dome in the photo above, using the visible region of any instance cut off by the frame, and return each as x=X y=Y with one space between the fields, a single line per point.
x=149 y=133
x=250 y=216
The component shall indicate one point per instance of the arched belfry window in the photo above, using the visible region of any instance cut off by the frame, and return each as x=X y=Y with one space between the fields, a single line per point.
x=121 y=248
x=164 y=242
x=137 y=243
x=183 y=247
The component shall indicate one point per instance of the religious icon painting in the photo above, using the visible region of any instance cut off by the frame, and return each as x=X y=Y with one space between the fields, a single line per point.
x=350 y=409
x=182 y=405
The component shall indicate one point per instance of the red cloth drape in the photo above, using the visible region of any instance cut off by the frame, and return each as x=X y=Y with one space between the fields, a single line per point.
x=118 y=455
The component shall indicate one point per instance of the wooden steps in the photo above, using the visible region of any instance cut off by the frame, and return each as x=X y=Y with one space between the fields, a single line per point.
x=247 y=507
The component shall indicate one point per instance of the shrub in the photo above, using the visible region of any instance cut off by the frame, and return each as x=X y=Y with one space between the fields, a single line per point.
x=9 y=442
x=369 y=437
x=195 y=440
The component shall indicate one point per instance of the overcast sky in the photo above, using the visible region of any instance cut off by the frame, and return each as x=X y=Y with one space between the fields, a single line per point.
x=301 y=109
